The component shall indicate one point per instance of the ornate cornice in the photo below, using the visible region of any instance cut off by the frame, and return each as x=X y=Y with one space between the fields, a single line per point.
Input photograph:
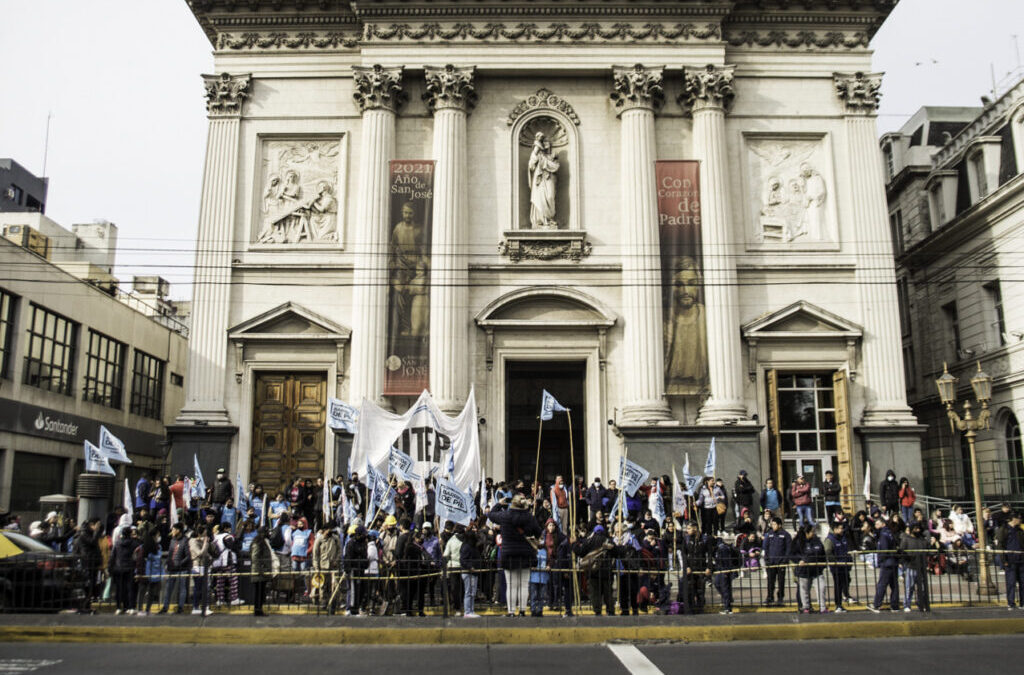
x=378 y=88
x=798 y=39
x=225 y=94
x=859 y=92
x=552 y=32
x=283 y=40
x=636 y=87
x=543 y=100
x=707 y=87
x=449 y=87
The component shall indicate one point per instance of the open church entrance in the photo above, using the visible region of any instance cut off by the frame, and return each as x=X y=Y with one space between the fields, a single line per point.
x=525 y=382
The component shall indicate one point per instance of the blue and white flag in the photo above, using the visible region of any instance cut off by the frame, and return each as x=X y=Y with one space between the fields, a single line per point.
x=632 y=476
x=382 y=497
x=656 y=504
x=402 y=465
x=112 y=447
x=452 y=503
x=95 y=460
x=692 y=482
x=241 y=503
x=678 y=493
x=341 y=415
x=709 y=465
x=199 y=485
x=451 y=460
x=549 y=406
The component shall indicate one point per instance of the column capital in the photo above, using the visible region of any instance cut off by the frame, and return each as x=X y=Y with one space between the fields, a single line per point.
x=859 y=92
x=637 y=87
x=449 y=87
x=707 y=88
x=378 y=88
x=225 y=94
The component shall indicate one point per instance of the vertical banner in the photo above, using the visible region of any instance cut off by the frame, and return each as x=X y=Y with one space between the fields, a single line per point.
x=682 y=276
x=408 y=330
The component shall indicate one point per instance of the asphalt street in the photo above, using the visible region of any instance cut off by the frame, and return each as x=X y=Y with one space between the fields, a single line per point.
x=934 y=656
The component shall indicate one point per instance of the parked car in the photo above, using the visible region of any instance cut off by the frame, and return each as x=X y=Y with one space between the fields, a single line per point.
x=34 y=578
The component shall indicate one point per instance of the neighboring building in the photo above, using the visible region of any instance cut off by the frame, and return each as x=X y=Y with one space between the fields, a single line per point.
x=73 y=358
x=956 y=213
x=541 y=246
x=20 y=190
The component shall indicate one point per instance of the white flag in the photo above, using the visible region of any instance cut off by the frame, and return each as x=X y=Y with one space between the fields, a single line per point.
x=199 y=486
x=128 y=503
x=867 y=481
x=186 y=494
x=112 y=447
x=174 y=511
x=401 y=465
x=632 y=476
x=341 y=415
x=452 y=503
x=709 y=465
x=95 y=460
x=656 y=504
x=678 y=494
x=549 y=405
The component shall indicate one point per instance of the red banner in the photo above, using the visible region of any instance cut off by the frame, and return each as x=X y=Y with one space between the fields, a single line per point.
x=682 y=276
x=407 y=360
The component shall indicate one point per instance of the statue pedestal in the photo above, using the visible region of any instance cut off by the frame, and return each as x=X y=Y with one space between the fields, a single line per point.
x=545 y=245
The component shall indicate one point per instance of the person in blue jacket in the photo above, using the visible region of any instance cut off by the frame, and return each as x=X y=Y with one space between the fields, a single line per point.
x=539 y=583
x=840 y=562
x=775 y=553
x=888 y=567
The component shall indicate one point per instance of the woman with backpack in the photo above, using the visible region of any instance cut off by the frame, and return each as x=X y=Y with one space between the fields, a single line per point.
x=517 y=553
x=149 y=571
x=223 y=567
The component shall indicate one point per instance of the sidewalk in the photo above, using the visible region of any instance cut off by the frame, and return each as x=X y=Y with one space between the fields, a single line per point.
x=323 y=630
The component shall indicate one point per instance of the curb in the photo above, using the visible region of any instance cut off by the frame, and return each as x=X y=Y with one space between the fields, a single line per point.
x=509 y=635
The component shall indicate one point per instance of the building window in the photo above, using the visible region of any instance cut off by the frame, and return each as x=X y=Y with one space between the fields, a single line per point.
x=1014 y=454
x=177 y=380
x=995 y=301
x=890 y=162
x=909 y=367
x=147 y=386
x=896 y=228
x=37 y=475
x=104 y=373
x=938 y=210
x=903 y=296
x=6 y=331
x=50 y=361
x=807 y=414
x=953 y=330
x=977 y=163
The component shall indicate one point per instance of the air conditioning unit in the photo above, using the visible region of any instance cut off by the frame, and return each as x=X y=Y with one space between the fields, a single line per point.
x=29 y=238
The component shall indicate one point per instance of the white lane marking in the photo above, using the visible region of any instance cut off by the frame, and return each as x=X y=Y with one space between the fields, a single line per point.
x=634 y=660
x=25 y=665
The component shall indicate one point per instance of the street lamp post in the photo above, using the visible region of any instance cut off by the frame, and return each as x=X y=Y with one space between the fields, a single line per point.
x=982 y=385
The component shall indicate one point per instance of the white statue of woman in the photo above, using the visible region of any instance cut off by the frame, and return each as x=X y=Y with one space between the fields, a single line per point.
x=542 y=169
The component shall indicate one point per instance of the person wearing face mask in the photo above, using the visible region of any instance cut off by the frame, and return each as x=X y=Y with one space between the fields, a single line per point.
x=596 y=494
x=889 y=493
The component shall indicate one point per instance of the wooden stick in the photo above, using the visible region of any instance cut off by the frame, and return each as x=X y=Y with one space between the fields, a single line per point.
x=572 y=513
x=536 y=472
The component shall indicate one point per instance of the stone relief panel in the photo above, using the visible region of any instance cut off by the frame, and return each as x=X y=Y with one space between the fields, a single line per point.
x=298 y=193
x=790 y=193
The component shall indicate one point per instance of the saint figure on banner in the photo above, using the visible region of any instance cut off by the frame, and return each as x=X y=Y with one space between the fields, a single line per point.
x=686 y=341
x=542 y=169
x=410 y=274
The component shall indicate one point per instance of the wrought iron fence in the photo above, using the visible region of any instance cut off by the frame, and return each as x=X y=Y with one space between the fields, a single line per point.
x=951 y=578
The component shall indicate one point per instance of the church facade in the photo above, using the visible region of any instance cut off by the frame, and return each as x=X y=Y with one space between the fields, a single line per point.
x=670 y=215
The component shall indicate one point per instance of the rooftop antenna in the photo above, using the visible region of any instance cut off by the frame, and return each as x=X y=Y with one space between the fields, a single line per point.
x=46 y=142
x=992 y=71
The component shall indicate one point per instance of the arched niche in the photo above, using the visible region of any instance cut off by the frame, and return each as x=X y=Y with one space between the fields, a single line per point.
x=545 y=113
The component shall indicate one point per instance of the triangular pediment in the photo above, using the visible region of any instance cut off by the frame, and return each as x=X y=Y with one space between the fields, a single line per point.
x=288 y=321
x=801 y=320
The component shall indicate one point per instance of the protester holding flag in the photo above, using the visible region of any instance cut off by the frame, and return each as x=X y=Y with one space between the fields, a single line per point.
x=517 y=554
x=560 y=497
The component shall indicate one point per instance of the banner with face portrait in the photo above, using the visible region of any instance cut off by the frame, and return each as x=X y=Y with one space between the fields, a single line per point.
x=407 y=348
x=682 y=276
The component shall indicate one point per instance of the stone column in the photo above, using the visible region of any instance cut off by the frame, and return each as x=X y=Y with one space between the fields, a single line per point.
x=882 y=368
x=637 y=95
x=378 y=93
x=208 y=341
x=450 y=97
x=707 y=94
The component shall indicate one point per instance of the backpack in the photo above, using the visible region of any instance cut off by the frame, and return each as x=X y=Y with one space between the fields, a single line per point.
x=277 y=539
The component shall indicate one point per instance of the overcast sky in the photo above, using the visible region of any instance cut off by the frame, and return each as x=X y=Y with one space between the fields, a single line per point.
x=128 y=126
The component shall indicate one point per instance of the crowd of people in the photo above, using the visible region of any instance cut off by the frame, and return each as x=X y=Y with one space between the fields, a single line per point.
x=535 y=549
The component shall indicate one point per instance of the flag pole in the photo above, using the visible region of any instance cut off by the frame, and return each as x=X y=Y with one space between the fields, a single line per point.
x=572 y=514
x=536 y=472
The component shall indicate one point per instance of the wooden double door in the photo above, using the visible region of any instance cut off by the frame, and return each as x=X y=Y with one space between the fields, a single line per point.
x=289 y=427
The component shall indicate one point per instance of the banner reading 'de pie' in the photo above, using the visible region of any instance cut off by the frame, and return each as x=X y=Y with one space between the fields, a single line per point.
x=407 y=348
x=682 y=276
